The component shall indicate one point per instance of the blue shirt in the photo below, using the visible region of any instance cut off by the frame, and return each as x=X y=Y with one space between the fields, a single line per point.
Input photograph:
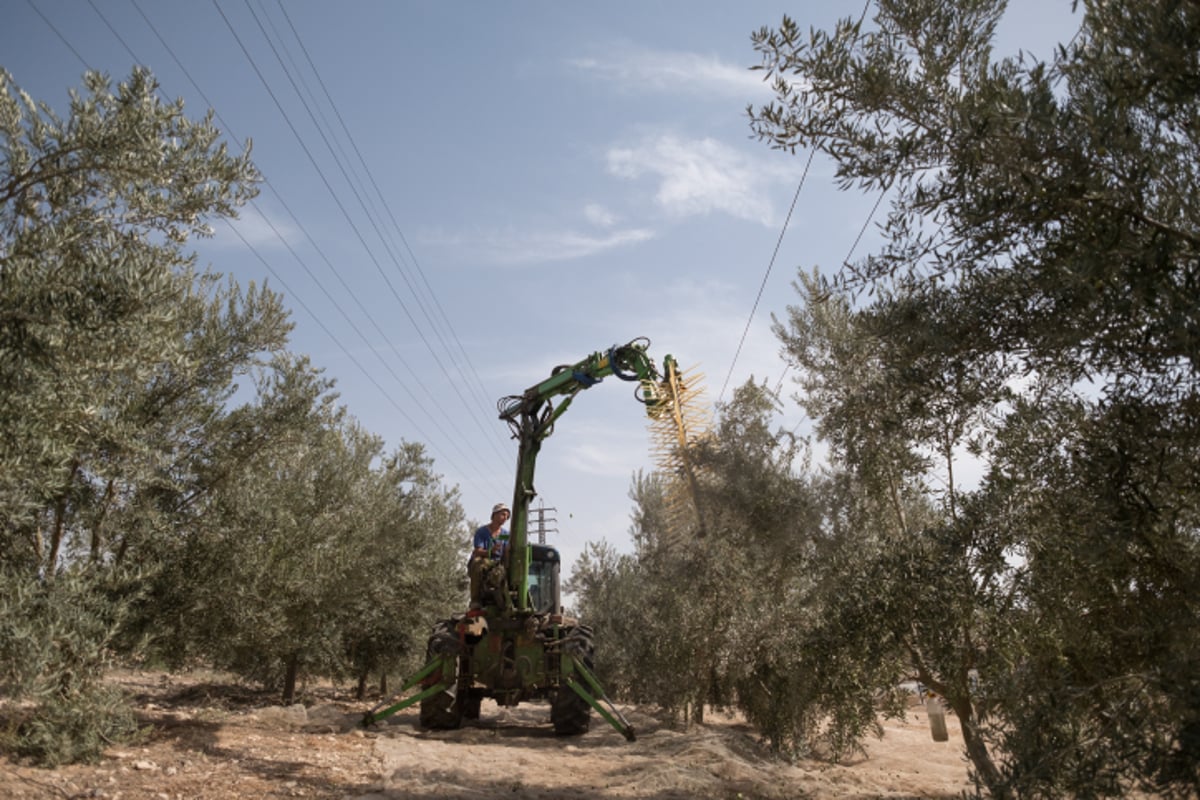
x=483 y=538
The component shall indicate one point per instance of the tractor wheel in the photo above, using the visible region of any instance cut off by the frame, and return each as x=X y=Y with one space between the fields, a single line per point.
x=569 y=712
x=441 y=712
x=444 y=710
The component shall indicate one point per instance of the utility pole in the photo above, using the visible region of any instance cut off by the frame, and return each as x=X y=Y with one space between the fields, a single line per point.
x=542 y=518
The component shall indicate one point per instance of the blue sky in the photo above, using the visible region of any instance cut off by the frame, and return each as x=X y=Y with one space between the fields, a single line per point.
x=477 y=192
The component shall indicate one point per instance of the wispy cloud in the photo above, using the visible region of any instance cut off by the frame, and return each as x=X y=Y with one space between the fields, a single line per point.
x=599 y=451
x=258 y=228
x=563 y=245
x=599 y=216
x=513 y=247
x=637 y=69
x=702 y=323
x=701 y=176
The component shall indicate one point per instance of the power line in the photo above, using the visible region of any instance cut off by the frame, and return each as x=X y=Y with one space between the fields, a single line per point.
x=845 y=262
x=61 y=38
x=333 y=194
x=863 y=229
x=767 y=275
x=369 y=206
x=478 y=382
x=335 y=340
x=255 y=252
x=336 y=273
x=238 y=233
x=779 y=385
x=300 y=300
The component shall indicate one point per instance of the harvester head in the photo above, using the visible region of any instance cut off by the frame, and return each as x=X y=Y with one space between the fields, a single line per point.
x=681 y=418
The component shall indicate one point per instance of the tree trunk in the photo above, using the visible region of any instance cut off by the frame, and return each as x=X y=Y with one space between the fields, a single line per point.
x=361 y=692
x=977 y=749
x=60 y=520
x=289 y=680
x=97 y=526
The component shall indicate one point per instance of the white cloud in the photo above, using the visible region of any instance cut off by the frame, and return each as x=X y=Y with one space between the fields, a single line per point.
x=598 y=450
x=701 y=176
x=701 y=323
x=661 y=71
x=566 y=245
x=599 y=216
x=513 y=247
x=256 y=229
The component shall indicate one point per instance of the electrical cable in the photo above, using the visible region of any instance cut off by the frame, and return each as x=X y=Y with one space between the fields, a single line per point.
x=779 y=384
x=336 y=273
x=370 y=208
x=478 y=381
x=246 y=242
x=258 y=255
x=61 y=38
x=340 y=346
x=767 y=275
x=316 y=247
x=337 y=200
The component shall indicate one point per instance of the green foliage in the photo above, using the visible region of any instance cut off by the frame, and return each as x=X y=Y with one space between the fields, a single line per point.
x=318 y=556
x=711 y=616
x=55 y=640
x=114 y=353
x=76 y=729
x=112 y=348
x=1032 y=307
x=611 y=597
x=143 y=510
x=409 y=565
x=1033 y=304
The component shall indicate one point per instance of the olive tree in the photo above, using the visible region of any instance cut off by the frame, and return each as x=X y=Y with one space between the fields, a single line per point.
x=1033 y=304
x=116 y=354
x=106 y=328
x=703 y=615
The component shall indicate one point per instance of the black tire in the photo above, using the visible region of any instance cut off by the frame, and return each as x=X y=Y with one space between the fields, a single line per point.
x=471 y=706
x=569 y=712
x=443 y=711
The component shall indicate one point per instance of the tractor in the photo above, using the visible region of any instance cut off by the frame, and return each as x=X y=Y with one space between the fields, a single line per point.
x=517 y=645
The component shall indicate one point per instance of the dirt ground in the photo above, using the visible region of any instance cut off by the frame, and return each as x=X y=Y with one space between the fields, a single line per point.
x=210 y=739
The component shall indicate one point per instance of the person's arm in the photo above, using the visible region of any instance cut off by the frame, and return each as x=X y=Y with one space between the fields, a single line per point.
x=480 y=543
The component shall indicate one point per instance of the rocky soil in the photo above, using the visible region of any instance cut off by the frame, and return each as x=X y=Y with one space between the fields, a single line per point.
x=208 y=739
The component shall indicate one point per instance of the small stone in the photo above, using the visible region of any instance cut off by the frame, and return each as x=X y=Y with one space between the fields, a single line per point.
x=144 y=765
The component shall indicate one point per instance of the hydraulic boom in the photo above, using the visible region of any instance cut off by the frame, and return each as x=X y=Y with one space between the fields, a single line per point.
x=531 y=416
x=518 y=645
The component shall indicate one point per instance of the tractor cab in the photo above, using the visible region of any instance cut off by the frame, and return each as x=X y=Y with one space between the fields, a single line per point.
x=544 y=595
